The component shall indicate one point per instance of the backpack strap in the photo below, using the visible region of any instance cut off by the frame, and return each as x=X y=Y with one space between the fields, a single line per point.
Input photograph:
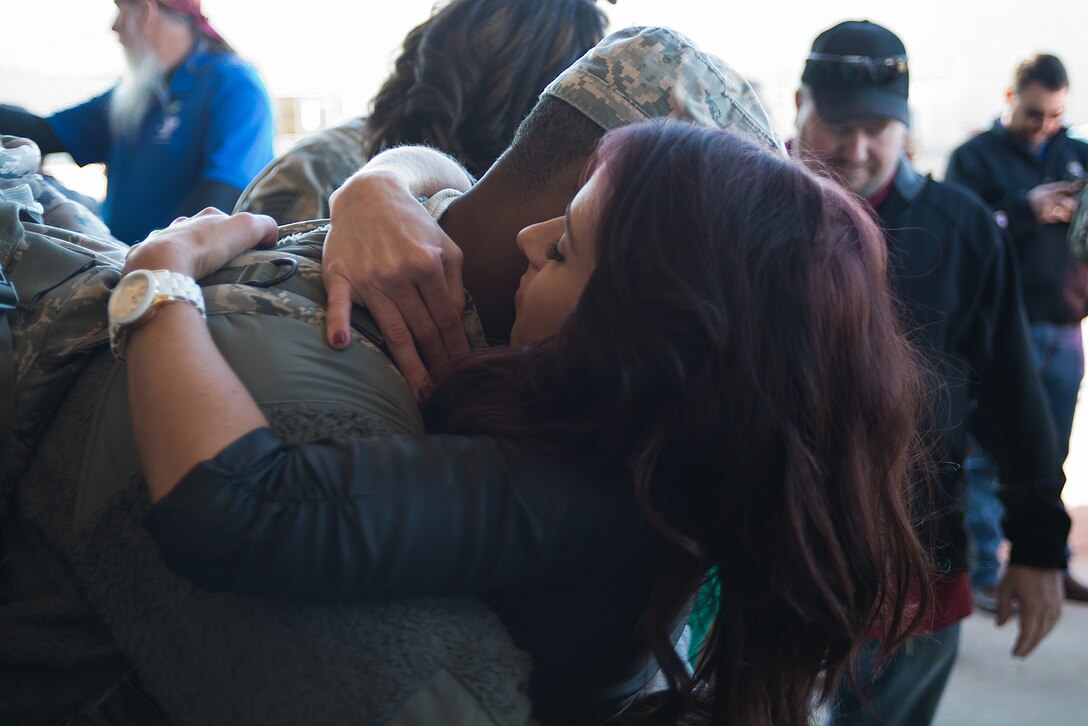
x=44 y=266
x=279 y=273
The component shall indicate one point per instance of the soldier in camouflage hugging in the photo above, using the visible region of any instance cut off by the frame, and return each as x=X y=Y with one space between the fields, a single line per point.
x=93 y=621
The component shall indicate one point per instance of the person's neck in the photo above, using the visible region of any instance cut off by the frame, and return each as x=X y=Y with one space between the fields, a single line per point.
x=485 y=222
x=1032 y=145
x=484 y=225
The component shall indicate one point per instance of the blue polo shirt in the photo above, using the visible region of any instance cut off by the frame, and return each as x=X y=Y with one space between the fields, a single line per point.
x=217 y=125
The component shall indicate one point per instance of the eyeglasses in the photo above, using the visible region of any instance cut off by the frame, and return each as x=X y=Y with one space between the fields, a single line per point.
x=851 y=69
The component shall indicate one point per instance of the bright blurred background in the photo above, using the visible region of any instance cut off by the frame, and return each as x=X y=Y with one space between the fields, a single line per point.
x=323 y=60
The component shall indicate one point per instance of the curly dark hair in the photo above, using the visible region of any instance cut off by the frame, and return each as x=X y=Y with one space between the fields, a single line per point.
x=736 y=354
x=467 y=76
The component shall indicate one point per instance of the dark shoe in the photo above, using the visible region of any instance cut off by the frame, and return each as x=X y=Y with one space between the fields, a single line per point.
x=986 y=598
x=1075 y=590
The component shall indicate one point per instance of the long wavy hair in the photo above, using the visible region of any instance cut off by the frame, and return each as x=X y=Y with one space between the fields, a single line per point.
x=467 y=76
x=736 y=352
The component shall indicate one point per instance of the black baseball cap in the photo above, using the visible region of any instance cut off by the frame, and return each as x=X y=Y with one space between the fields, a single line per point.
x=858 y=69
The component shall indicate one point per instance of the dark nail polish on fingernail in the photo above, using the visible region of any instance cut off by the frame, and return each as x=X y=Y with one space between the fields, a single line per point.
x=340 y=338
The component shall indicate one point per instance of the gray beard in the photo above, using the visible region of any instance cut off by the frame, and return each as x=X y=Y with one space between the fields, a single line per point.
x=144 y=83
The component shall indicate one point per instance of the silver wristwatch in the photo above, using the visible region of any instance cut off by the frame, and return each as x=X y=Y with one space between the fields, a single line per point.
x=140 y=293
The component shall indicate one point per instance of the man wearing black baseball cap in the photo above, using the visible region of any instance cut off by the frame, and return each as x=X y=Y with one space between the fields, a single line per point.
x=856 y=80
x=953 y=272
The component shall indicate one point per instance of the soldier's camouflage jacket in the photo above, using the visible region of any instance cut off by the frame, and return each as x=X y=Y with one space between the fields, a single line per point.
x=63 y=279
x=296 y=187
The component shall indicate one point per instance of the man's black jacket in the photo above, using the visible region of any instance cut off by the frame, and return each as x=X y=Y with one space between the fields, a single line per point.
x=956 y=282
x=1001 y=169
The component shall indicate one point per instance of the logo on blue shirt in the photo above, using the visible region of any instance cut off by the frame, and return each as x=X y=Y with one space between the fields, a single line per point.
x=169 y=125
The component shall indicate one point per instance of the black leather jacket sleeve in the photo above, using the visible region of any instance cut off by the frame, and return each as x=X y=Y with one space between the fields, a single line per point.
x=1013 y=422
x=956 y=277
x=361 y=519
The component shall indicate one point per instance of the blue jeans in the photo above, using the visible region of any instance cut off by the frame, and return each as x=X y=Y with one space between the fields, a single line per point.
x=908 y=690
x=1059 y=353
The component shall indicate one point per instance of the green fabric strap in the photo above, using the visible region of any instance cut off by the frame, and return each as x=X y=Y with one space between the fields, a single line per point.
x=703 y=612
x=44 y=265
x=280 y=274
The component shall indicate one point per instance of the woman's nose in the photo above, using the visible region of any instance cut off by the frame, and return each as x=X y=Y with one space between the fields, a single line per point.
x=533 y=241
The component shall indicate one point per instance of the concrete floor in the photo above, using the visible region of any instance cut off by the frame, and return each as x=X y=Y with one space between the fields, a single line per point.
x=991 y=688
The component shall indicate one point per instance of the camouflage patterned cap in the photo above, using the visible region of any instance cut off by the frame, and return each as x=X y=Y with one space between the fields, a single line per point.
x=640 y=73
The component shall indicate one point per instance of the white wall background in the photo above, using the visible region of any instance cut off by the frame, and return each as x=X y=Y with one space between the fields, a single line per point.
x=961 y=50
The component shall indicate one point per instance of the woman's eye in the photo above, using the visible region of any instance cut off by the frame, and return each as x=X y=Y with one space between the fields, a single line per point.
x=553 y=252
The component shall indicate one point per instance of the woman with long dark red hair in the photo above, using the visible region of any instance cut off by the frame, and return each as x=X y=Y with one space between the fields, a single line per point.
x=705 y=372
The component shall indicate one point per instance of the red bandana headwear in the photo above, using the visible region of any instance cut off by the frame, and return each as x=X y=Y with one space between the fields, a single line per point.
x=191 y=9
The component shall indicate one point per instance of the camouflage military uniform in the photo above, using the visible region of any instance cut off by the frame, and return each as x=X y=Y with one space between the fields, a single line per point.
x=63 y=270
x=56 y=330
x=297 y=186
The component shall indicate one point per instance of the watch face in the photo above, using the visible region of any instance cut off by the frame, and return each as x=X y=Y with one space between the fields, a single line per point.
x=130 y=298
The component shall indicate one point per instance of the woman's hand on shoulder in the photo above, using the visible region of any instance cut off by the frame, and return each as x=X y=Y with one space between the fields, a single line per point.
x=385 y=251
x=199 y=245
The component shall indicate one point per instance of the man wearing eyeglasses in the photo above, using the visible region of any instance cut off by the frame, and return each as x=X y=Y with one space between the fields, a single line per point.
x=953 y=275
x=1028 y=170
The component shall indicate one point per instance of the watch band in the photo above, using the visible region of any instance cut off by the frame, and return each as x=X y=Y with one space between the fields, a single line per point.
x=169 y=287
x=176 y=287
